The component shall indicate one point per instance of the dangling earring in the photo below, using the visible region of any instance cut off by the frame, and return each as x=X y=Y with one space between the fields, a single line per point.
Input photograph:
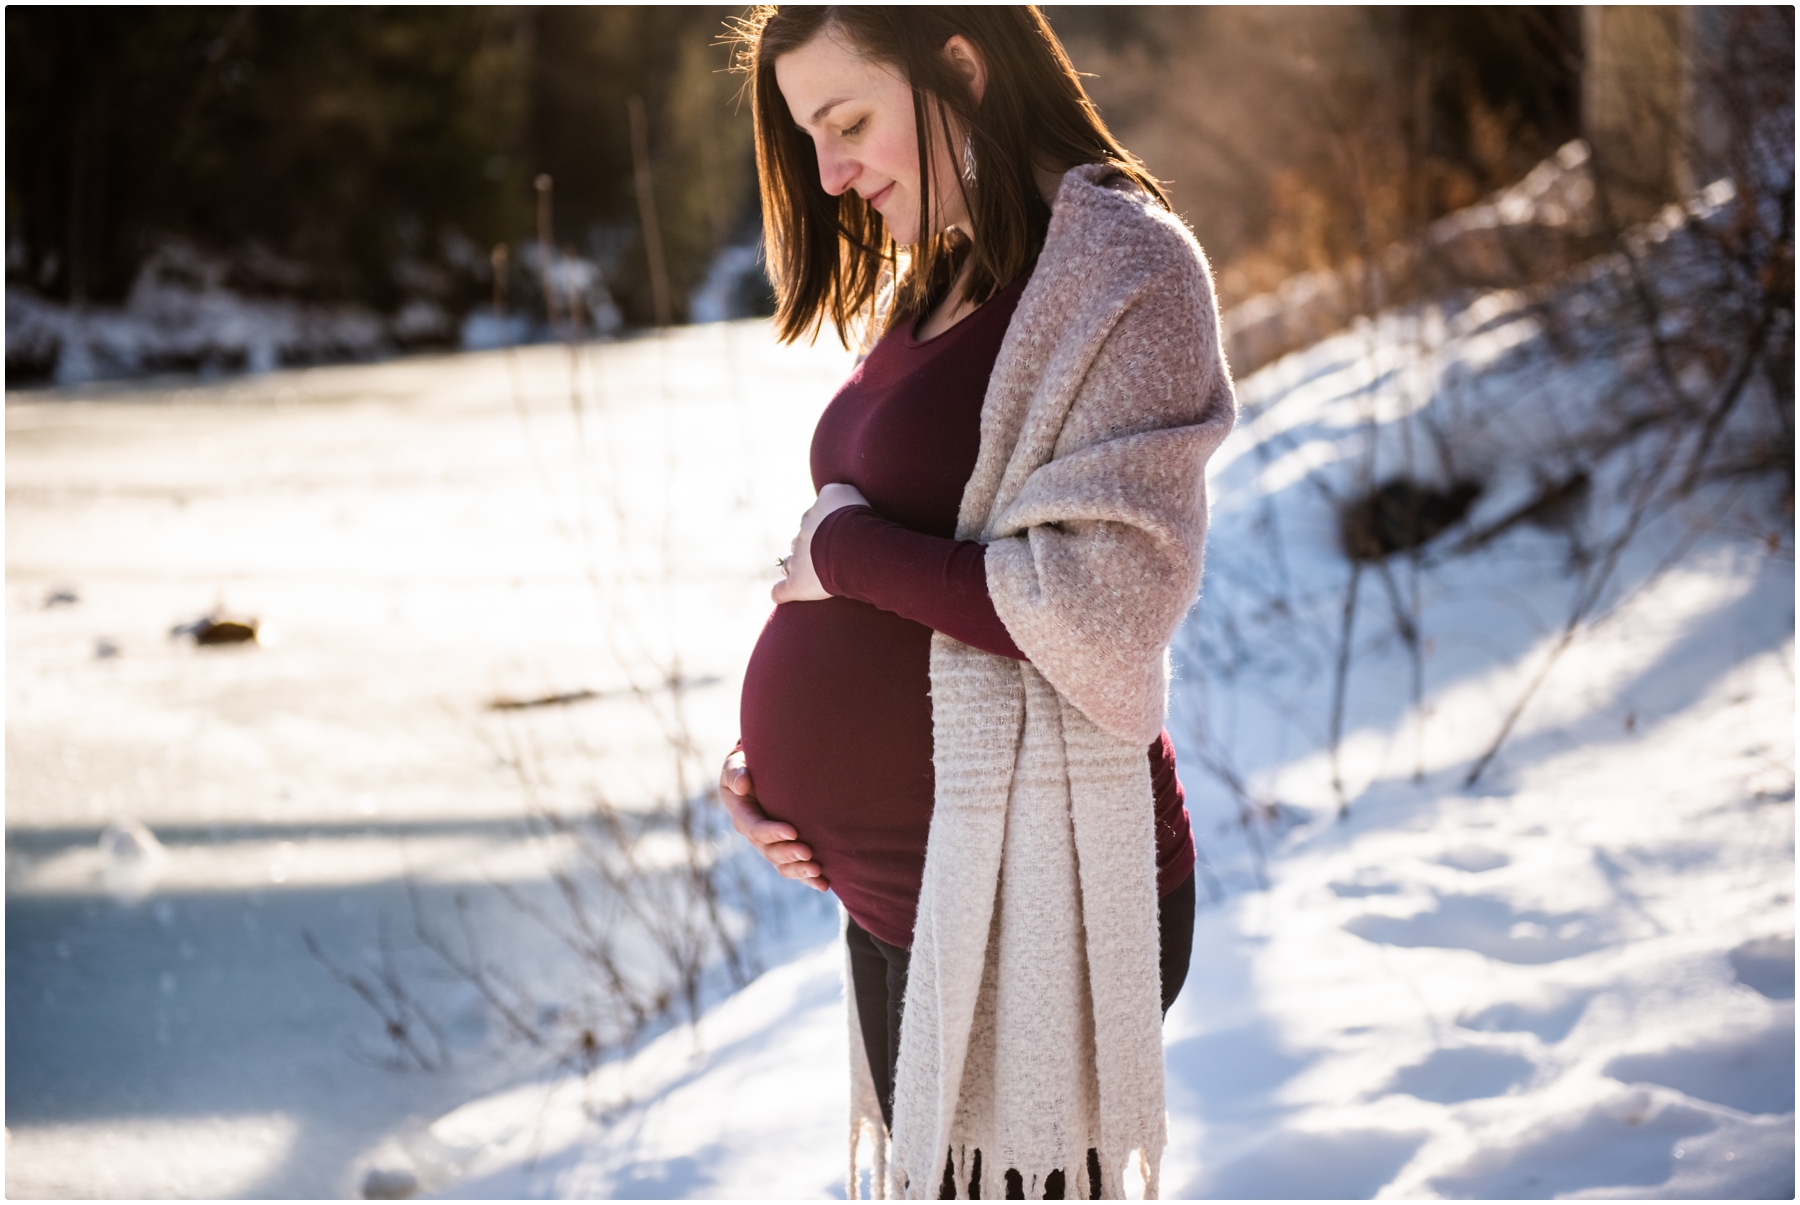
x=969 y=158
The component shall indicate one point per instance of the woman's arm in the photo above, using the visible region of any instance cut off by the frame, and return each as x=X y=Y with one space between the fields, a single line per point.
x=934 y=581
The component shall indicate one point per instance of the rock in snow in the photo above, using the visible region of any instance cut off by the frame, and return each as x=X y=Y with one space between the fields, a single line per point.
x=385 y=1184
x=131 y=859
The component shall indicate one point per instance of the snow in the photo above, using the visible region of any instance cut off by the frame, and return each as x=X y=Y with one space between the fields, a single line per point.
x=1573 y=977
x=1458 y=987
x=218 y=1156
x=735 y=1109
x=184 y=314
x=734 y=272
x=180 y=314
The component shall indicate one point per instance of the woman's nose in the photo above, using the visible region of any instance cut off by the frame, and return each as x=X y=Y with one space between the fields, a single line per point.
x=836 y=172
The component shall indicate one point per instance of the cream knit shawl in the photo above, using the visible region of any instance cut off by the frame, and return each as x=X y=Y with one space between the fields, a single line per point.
x=1032 y=1025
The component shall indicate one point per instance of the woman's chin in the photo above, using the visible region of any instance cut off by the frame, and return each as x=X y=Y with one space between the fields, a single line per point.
x=905 y=236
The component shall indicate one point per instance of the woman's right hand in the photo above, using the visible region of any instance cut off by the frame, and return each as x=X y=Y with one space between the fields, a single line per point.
x=775 y=840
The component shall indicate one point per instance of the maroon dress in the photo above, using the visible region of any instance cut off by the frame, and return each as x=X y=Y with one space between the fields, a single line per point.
x=836 y=709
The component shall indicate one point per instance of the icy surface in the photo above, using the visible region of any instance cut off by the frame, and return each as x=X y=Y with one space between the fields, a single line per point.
x=417 y=538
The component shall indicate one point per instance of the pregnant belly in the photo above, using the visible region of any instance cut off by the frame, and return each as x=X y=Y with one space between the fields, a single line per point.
x=836 y=716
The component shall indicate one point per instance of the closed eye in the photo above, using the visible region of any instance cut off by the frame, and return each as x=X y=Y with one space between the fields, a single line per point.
x=856 y=129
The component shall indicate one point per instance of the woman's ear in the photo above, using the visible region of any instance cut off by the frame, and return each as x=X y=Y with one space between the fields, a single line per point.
x=966 y=61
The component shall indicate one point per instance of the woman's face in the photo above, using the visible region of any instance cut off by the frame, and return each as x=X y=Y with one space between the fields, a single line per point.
x=859 y=114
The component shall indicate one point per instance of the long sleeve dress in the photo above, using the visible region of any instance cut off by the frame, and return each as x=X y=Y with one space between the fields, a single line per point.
x=836 y=707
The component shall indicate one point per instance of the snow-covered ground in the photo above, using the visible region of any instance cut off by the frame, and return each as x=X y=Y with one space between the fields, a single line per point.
x=190 y=310
x=1574 y=977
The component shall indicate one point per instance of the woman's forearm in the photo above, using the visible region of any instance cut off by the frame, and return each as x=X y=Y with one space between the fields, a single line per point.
x=928 y=579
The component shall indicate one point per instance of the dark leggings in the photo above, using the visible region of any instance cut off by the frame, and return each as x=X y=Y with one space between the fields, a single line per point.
x=878 y=976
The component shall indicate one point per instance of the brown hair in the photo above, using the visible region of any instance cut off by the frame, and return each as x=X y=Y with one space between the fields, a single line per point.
x=828 y=255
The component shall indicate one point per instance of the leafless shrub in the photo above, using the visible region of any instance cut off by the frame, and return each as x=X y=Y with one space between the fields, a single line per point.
x=403 y=1018
x=646 y=898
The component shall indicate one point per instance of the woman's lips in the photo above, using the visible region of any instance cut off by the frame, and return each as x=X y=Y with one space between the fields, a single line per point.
x=875 y=201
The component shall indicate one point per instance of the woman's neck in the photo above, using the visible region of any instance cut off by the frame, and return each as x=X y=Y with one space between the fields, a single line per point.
x=955 y=305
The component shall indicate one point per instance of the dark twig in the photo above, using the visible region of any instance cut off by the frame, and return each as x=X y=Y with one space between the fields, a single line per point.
x=1597 y=576
x=393 y=1018
x=1340 y=683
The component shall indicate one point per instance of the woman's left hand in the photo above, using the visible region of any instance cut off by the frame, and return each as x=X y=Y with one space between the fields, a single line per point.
x=800 y=582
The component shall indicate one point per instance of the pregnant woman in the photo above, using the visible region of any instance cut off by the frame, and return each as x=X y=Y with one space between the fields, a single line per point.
x=954 y=717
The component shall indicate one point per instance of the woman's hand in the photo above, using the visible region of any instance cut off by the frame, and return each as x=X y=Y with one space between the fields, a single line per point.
x=774 y=840
x=801 y=582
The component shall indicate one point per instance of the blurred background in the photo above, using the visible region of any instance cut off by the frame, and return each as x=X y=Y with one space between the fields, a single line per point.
x=363 y=167
x=397 y=458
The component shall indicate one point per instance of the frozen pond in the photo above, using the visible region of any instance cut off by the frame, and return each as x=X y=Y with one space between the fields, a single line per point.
x=418 y=539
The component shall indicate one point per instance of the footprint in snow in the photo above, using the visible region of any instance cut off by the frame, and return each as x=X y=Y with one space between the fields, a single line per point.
x=1766 y=965
x=1751 y=1070
x=1475 y=859
x=1358 y=891
x=1460 y=1073
x=1622 y=1142
x=1550 y=1020
x=1487 y=926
